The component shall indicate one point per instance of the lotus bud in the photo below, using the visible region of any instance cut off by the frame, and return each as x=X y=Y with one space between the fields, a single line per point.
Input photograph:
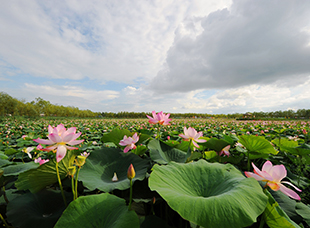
x=131 y=172
x=80 y=160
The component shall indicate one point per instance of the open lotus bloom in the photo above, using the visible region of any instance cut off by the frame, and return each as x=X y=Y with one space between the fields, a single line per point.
x=193 y=135
x=129 y=142
x=160 y=118
x=273 y=174
x=59 y=138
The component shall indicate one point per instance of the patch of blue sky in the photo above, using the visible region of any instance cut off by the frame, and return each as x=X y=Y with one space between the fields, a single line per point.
x=13 y=77
x=86 y=83
x=206 y=93
x=99 y=86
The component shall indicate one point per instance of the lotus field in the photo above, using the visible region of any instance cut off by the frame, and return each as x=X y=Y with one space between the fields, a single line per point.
x=154 y=172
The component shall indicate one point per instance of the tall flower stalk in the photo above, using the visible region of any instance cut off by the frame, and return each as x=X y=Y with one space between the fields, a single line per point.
x=60 y=185
x=130 y=175
x=79 y=162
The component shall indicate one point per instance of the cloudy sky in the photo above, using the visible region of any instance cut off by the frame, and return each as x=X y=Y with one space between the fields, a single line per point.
x=202 y=56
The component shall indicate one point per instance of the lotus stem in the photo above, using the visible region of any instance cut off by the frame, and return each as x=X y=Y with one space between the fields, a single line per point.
x=4 y=195
x=3 y=220
x=76 y=183
x=249 y=162
x=72 y=187
x=158 y=133
x=60 y=185
x=262 y=222
x=23 y=158
x=300 y=169
x=130 y=196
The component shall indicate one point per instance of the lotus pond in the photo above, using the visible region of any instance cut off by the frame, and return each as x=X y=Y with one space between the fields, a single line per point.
x=154 y=172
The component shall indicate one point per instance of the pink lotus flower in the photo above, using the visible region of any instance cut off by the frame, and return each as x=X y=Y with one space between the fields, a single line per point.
x=273 y=176
x=129 y=142
x=225 y=151
x=159 y=118
x=191 y=134
x=40 y=160
x=58 y=138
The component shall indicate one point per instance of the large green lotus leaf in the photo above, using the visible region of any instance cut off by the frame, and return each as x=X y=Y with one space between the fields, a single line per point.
x=183 y=145
x=257 y=144
x=285 y=143
x=275 y=217
x=209 y=194
x=37 y=179
x=10 y=194
x=104 y=211
x=3 y=156
x=304 y=211
x=100 y=166
x=216 y=144
x=4 y=162
x=19 y=168
x=163 y=153
x=230 y=139
x=291 y=146
x=40 y=210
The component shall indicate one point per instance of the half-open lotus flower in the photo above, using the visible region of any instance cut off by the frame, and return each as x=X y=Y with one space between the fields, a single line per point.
x=59 y=138
x=273 y=174
x=191 y=134
x=129 y=142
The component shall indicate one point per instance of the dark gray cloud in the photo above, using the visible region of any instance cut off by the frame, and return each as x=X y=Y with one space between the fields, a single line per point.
x=252 y=42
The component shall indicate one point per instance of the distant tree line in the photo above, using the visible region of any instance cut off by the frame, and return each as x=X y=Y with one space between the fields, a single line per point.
x=10 y=106
x=39 y=107
x=289 y=114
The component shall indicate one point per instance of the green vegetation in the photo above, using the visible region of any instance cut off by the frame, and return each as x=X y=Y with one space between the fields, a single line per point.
x=174 y=183
x=10 y=106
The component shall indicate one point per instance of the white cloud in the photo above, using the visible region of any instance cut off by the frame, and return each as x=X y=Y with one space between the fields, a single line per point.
x=106 y=40
x=69 y=95
x=252 y=42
